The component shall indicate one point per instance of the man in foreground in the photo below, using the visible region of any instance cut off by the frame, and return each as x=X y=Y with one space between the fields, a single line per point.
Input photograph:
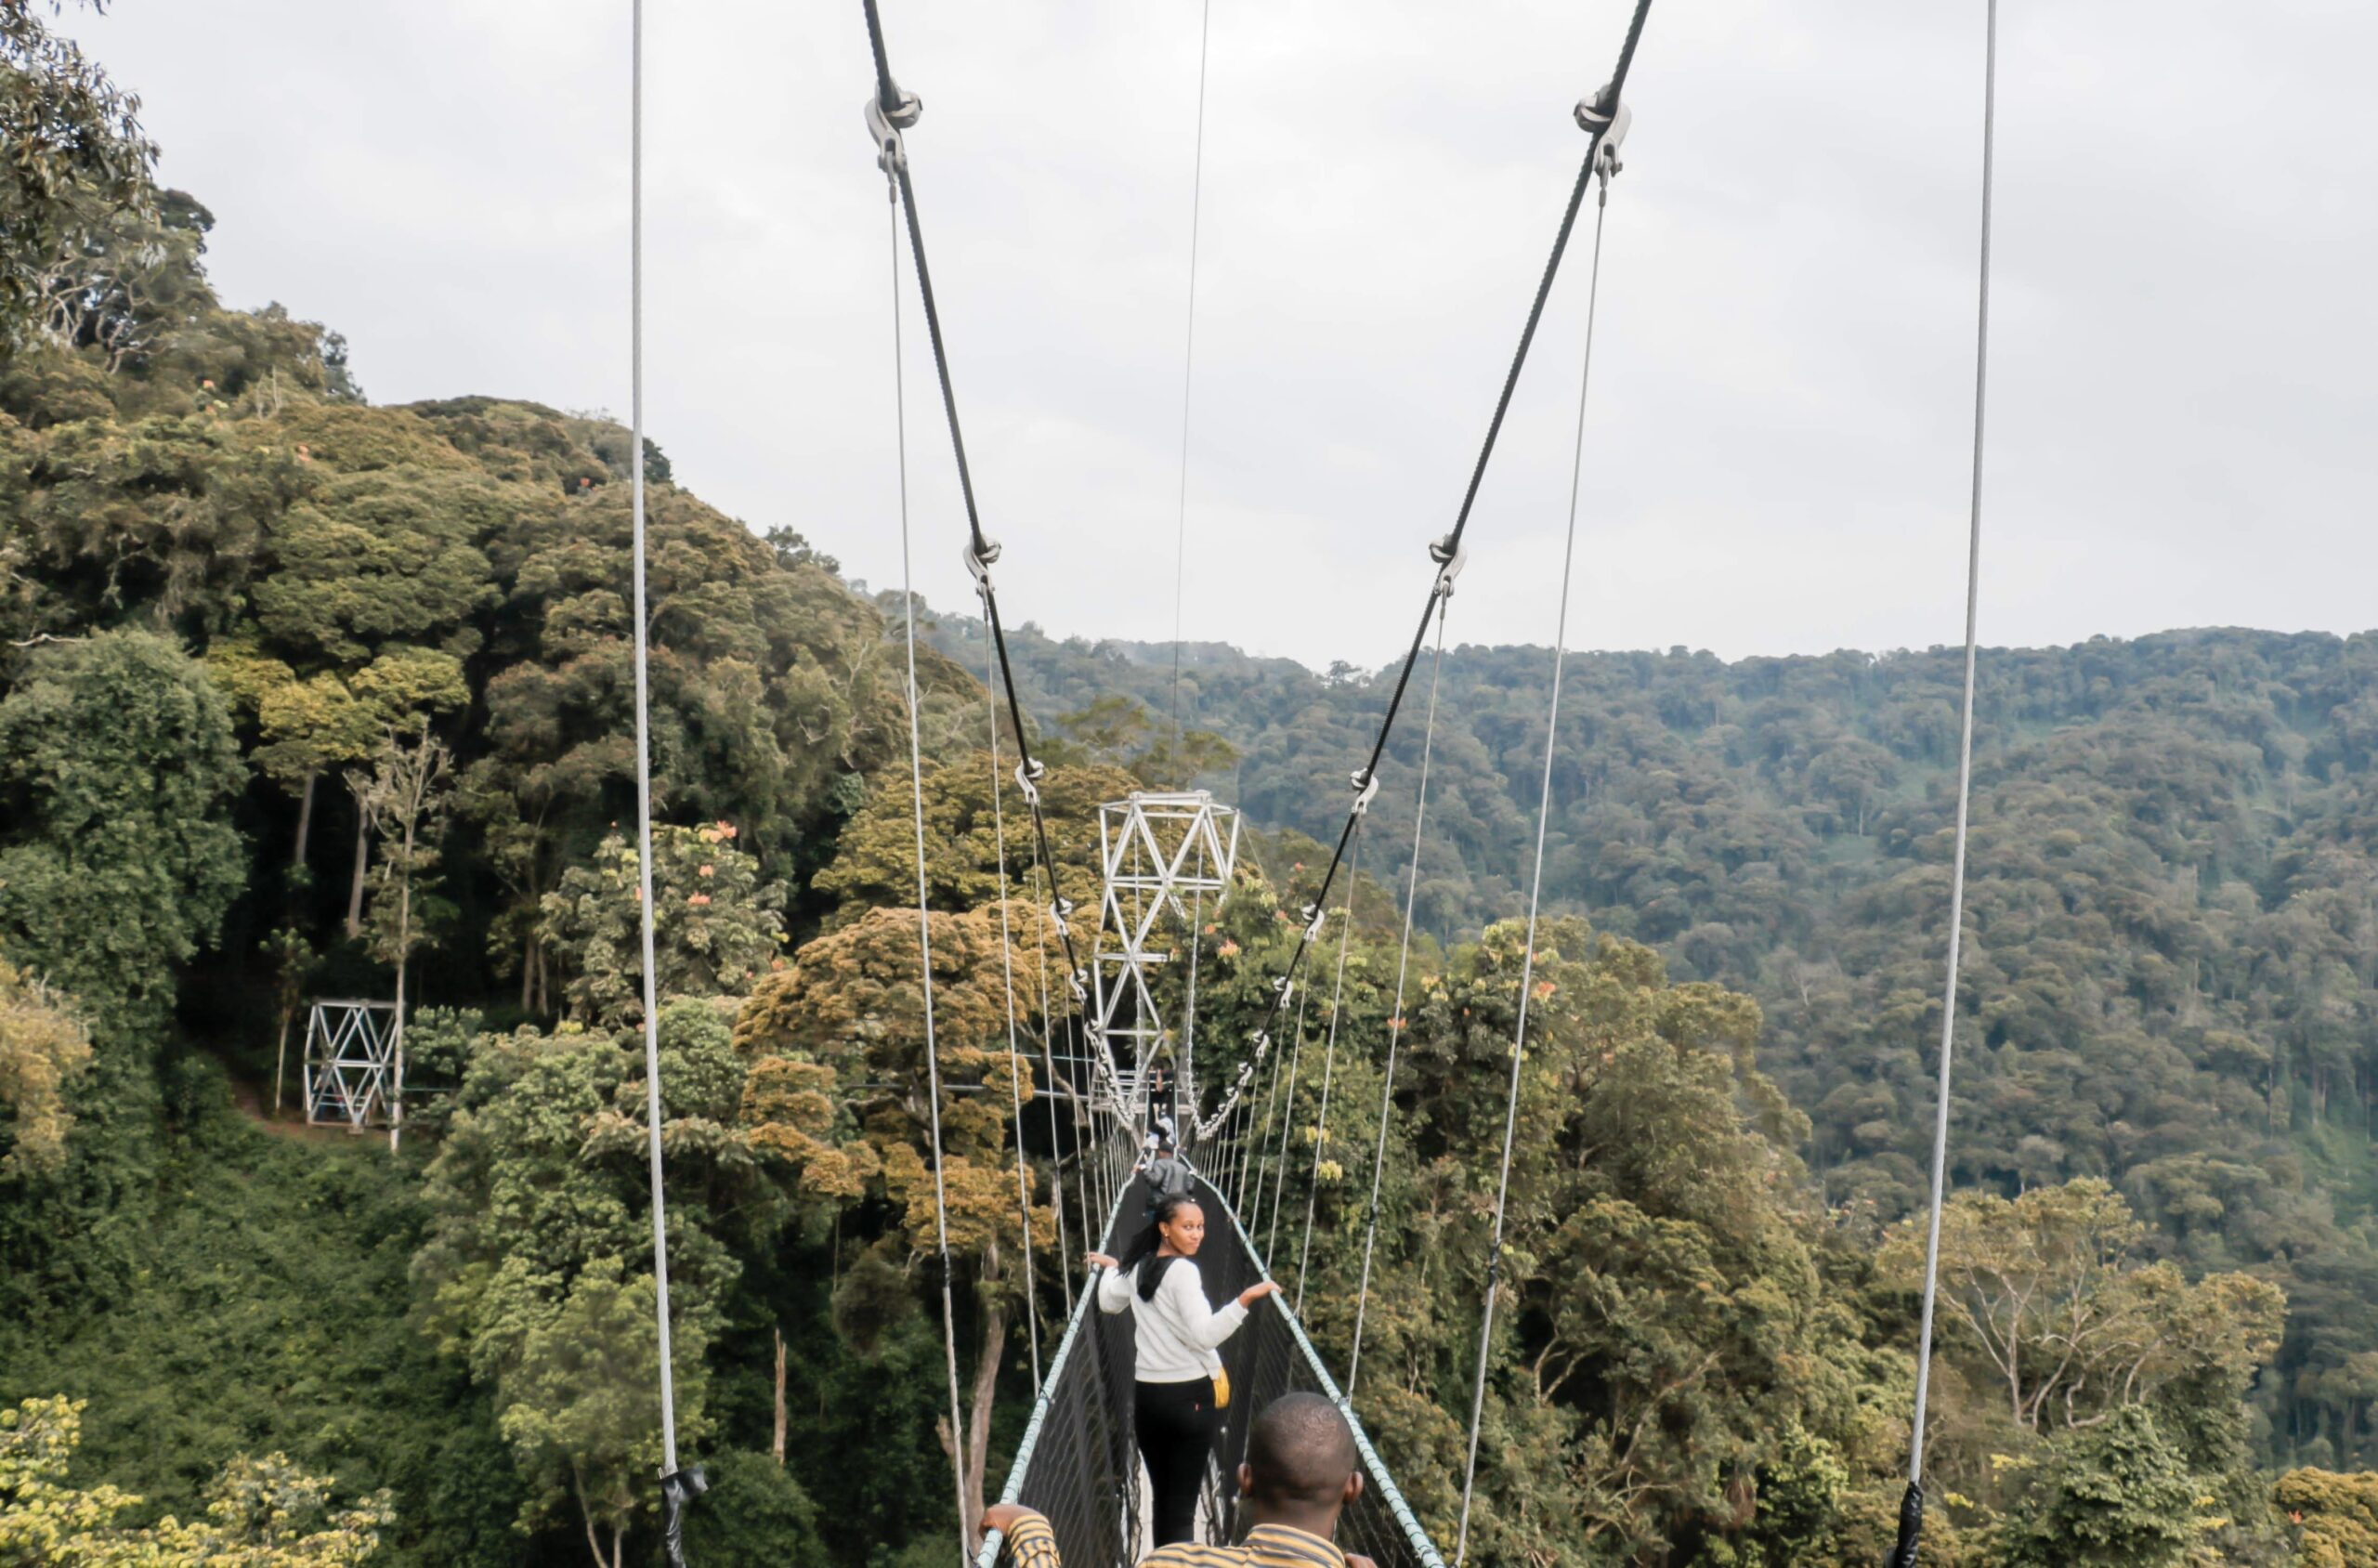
x=1302 y=1471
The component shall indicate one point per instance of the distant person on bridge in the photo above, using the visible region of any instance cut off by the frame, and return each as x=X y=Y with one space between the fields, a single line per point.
x=1168 y=1176
x=1178 y=1383
x=1300 y=1472
x=1166 y=1172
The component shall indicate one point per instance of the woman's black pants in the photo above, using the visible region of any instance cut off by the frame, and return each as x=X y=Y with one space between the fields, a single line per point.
x=1175 y=1422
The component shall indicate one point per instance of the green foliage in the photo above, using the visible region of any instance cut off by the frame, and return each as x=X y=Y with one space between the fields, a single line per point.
x=579 y=1409
x=2114 y=1496
x=263 y=1306
x=755 y=1516
x=875 y=858
x=367 y=558
x=535 y=1268
x=260 y=1513
x=117 y=770
x=1801 y=1489
x=2336 y=1515
x=839 y=1091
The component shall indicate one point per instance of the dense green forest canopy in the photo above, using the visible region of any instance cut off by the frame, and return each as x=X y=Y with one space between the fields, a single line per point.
x=2170 y=974
x=302 y=697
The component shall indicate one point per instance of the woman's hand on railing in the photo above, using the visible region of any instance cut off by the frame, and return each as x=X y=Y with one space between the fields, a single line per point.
x=1100 y=1260
x=1256 y=1291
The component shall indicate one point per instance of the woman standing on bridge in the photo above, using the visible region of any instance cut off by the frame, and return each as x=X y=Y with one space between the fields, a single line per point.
x=1179 y=1385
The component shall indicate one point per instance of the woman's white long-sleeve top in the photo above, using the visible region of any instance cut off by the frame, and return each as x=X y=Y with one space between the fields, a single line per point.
x=1177 y=1332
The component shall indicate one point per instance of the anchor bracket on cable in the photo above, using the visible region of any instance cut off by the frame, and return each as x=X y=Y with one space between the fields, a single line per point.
x=1450 y=558
x=884 y=125
x=1606 y=120
x=978 y=560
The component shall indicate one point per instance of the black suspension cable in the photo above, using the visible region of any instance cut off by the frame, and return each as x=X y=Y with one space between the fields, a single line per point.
x=893 y=111
x=1601 y=118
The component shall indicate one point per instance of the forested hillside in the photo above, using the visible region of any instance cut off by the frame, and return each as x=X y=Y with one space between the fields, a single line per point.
x=2171 y=979
x=303 y=696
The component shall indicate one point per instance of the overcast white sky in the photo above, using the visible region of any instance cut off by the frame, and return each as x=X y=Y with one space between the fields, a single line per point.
x=1776 y=458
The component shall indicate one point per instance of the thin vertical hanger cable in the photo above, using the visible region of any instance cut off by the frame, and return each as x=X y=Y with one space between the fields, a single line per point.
x=1015 y=1061
x=1184 y=1078
x=1287 y=1120
x=1911 y=1521
x=1534 y=894
x=672 y=1493
x=1056 y=1141
x=1395 y=1019
x=1328 y=1071
x=924 y=919
x=1188 y=375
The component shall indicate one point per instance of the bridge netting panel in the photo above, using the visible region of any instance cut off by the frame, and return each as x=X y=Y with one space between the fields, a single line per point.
x=1079 y=1463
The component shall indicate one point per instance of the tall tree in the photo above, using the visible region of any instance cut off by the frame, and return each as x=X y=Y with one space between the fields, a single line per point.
x=76 y=156
x=839 y=1088
x=406 y=796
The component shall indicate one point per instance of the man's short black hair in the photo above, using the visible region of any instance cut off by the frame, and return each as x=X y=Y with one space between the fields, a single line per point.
x=1300 y=1450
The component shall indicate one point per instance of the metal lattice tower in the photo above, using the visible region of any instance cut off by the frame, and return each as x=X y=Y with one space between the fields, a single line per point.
x=350 y=1062
x=1163 y=858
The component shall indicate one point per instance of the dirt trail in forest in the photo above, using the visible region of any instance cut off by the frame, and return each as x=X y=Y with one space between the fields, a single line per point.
x=249 y=1097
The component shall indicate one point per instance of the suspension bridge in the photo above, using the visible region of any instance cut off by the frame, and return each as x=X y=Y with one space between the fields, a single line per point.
x=1120 y=1059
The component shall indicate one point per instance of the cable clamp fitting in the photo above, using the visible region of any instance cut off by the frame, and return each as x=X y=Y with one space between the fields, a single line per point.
x=1028 y=778
x=1911 y=1528
x=884 y=125
x=1078 y=983
x=1315 y=917
x=679 y=1488
x=1606 y=120
x=1365 y=790
x=1450 y=558
x=1058 y=910
x=979 y=566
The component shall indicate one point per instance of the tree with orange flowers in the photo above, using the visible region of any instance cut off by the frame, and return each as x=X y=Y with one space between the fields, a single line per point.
x=716 y=926
x=838 y=1089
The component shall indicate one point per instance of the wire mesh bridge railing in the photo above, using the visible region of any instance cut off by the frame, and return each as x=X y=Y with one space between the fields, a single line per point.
x=1079 y=1463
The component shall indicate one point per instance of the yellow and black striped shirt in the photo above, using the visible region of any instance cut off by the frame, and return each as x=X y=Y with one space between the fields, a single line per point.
x=1032 y=1545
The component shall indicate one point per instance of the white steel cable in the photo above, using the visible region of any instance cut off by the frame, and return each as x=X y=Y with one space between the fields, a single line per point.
x=924 y=918
x=1964 y=753
x=1015 y=1062
x=1328 y=1066
x=644 y=737
x=1395 y=1019
x=1535 y=896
